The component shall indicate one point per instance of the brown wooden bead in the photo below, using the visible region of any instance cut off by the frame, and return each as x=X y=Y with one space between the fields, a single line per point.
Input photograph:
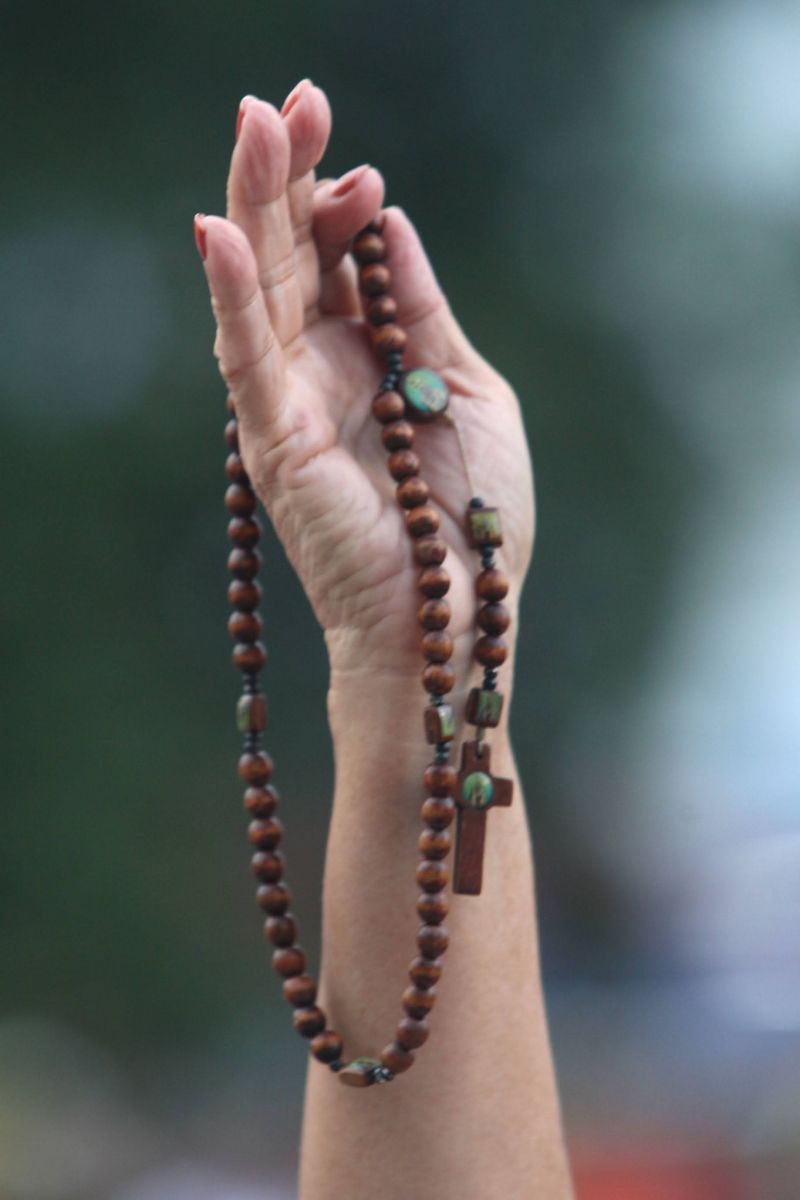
x=267 y=834
x=235 y=469
x=374 y=279
x=434 y=614
x=440 y=779
x=494 y=618
x=434 y=843
x=430 y=551
x=249 y=656
x=255 y=767
x=402 y=463
x=491 y=651
x=413 y=492
x=437 y=646
x=240 y=500
x=432 y=875
x=273 y=898
x=438 y=811
x=388 y=406
x=232 y=434
x=261 y=801
x=244 y=531
x=411 y=1033
x=289 y=960
x=300 y=991
x=381 y=310
x=418 y=1003
x=432 y=940
x=369 y=248
x=244 y=626
x=244 y=563
x=230 y=405
x=266 y=866
x=396 y=1059
x=434 y=582
x=309 y=1021
x=281 y=931
x=422 y=521
x=244 y=594
x=327 y=1046
x=438 y=678
x=433 y=908
x=398 y=435
x=424 y=972
x=389 y=339
x=491 y=584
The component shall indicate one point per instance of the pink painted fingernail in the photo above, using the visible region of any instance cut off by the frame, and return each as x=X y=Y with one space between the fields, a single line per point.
x=349 y=181
x=243 y=103
x=200 y=234
x=294 y=96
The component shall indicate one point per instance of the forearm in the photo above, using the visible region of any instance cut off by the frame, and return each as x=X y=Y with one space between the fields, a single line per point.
x=477 y=1115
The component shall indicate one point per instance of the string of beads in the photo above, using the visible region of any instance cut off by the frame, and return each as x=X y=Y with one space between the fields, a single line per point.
x=400 y=401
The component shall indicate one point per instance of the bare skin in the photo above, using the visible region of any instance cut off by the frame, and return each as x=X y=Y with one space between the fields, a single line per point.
x=477 y=1116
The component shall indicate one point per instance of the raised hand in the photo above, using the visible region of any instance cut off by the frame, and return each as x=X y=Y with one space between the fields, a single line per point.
x=297 y=359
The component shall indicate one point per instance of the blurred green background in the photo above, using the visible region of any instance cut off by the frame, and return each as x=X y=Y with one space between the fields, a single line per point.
x=609 y=192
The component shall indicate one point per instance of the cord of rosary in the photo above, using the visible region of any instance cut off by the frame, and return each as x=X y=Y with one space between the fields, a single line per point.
x=404 y=399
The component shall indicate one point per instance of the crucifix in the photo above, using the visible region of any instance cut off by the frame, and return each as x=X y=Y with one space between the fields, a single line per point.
x=477 y=790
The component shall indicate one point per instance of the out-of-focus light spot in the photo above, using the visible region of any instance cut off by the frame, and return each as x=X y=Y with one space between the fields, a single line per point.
x=716 y=88
x=740 y=924
x=83 y=321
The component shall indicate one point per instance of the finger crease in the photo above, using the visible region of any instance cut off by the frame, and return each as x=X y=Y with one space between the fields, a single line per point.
x=278 y=273
x=233 y=310
x=232 y=374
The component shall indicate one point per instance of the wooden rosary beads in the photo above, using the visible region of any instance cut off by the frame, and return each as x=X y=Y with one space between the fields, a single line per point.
x=404 y=398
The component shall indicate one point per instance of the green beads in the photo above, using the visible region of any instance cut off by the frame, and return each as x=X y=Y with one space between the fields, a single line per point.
x=425 y=394
x=483 y=528
x=251 y=713
x=359 y=1072
x=484 y=707
x=477 y=790
x=440 y=723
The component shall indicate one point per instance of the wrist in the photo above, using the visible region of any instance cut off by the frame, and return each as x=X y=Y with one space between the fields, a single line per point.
x=380 y=714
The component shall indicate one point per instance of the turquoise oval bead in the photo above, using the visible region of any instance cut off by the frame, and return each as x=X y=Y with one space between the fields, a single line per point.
x=425 y=393
x=477 y=790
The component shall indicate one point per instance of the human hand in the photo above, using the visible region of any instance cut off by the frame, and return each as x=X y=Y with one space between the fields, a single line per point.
x=295 y=353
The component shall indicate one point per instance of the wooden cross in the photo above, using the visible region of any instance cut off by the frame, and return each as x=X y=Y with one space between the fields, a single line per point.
x=477 y=790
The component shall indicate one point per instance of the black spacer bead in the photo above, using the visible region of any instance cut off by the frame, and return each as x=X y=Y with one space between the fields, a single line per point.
x=476 y=502
x=442 y=754
x=337 y=1064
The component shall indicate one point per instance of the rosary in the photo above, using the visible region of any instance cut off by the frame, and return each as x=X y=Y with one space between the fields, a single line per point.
x=403 y=399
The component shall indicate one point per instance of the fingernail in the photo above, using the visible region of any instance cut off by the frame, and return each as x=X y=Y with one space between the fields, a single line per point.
x=349 y=181
x=294 y=96
x=200 y=234
x=243 y=103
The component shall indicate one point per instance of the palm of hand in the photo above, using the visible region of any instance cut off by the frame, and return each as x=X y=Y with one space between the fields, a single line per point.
x=302 y=373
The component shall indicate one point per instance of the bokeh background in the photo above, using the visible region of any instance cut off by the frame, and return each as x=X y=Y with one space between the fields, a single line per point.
x=611 y=195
